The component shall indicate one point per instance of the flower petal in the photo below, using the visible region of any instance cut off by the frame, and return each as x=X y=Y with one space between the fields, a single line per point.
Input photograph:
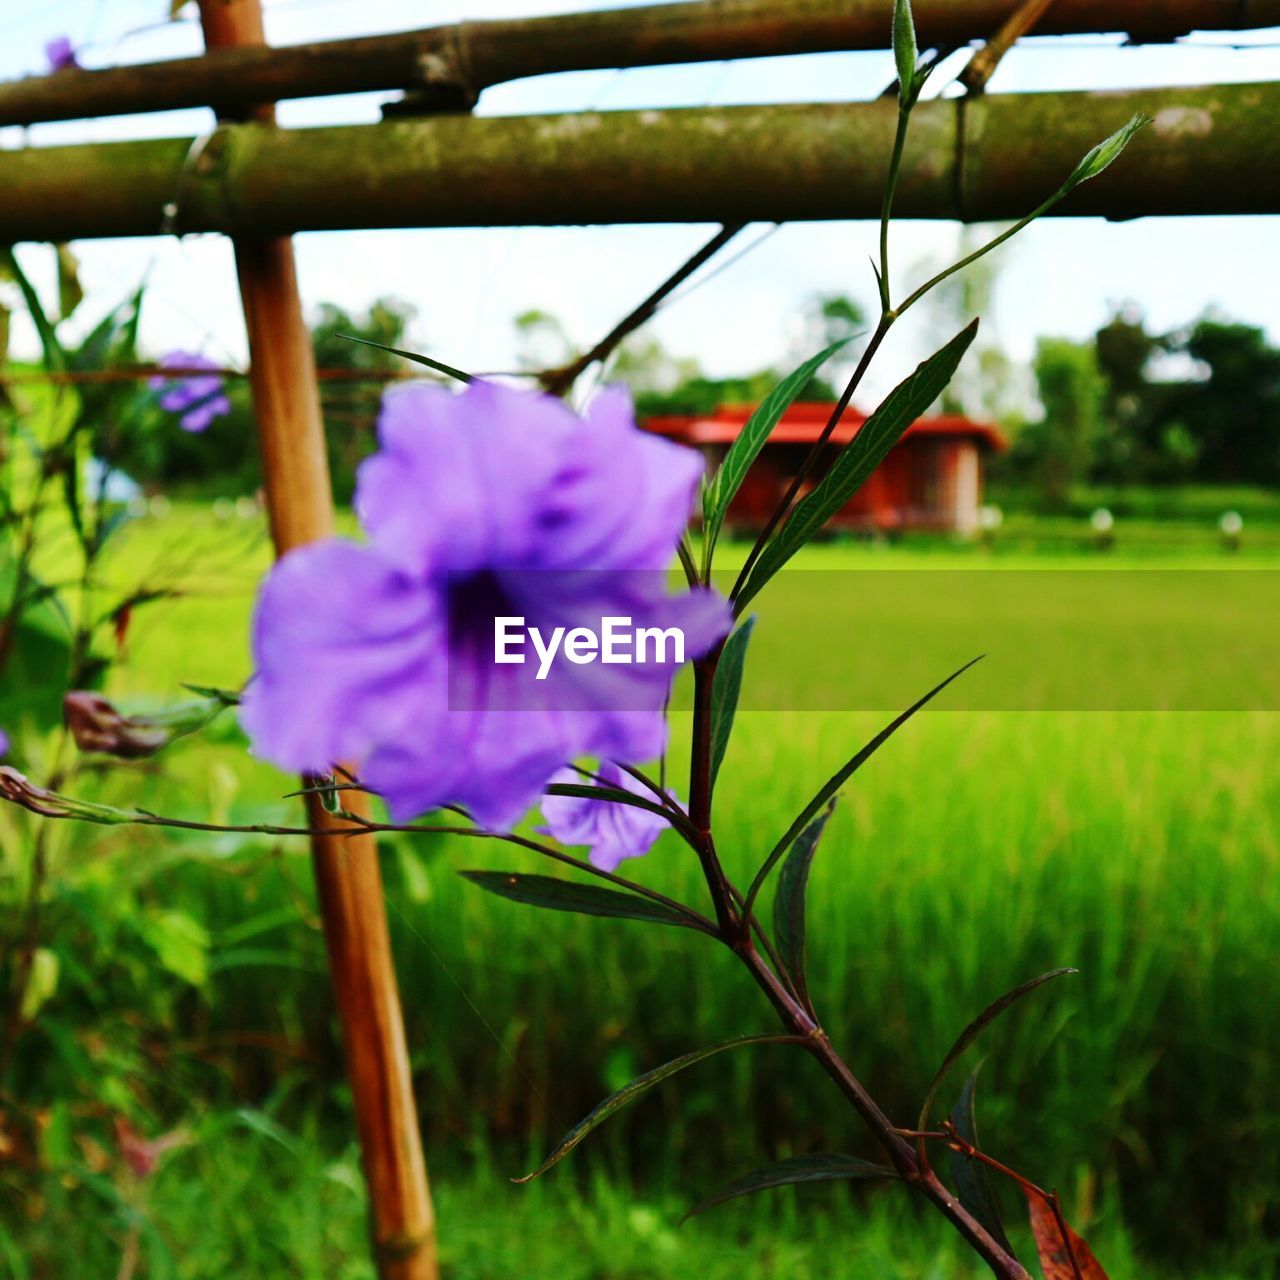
x=341 y=642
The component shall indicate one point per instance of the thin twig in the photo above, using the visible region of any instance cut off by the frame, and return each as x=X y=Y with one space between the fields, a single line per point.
x=557 y=381
x=983 y=64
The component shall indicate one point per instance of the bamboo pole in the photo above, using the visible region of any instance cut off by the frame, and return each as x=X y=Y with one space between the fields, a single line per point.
x=348 y=878
x=476 y=55
x=1211 y=150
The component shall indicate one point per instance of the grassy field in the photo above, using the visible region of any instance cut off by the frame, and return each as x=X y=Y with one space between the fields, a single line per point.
x=976 y=850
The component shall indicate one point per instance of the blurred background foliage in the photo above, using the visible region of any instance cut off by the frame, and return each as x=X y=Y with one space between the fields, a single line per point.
x=182 y=988
x=1130 y=409
x=172 y=1101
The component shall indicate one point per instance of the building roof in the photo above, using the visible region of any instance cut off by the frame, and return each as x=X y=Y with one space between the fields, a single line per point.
x=803 y=423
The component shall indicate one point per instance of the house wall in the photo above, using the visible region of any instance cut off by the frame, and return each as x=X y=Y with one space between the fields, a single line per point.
x=923 y=483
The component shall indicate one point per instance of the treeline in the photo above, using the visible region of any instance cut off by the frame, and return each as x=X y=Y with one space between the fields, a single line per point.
x=1131 y=406
x=224 y=459
x=1128 y=406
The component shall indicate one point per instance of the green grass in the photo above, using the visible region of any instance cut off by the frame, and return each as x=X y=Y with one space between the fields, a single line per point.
x=976 y=850
x=247 y=1200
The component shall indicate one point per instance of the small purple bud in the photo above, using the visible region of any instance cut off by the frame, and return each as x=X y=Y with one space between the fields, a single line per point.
x=60 y=54
x=198 y=397
x=199 y=418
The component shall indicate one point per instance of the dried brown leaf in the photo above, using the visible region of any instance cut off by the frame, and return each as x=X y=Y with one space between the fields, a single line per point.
x=1055 y=1251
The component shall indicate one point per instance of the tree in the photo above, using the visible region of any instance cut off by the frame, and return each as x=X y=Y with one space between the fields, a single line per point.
x=541 y=341
x=351 y=407
x=988 y=384
x=1129 y=442
x=1060 y=447
x=662 y=383
x=1231 y=408
x=830 y=318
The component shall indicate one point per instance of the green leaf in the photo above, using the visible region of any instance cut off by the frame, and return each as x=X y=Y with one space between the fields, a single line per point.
x=972 y=1180
x=838 y=779
x=1106 y=151
x=70 y=290
x=180 y=942
x=114 y=338
x=905 y=52
x=609 y=795
x=57 y=1144
x=447 y=369
x=719 y=491
x=864 y=453
x=227 y=697
x=42 y=982
x=789 y=904
x=583 y=899
x=786 y=1173
x=724 y=693
x=330 y=797
x=642 y=1084
x=977 y=1026
x=260 y=1123
x=55 y=359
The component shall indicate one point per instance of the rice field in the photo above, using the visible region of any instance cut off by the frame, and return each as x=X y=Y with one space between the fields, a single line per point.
x=977 y=849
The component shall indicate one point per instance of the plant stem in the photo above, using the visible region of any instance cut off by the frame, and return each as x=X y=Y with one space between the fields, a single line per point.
x=898 y=1149
x=792 y=1013
x=886 y=209
x=806 y=468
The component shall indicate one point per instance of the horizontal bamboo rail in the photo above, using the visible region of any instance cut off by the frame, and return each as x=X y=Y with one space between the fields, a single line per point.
x=1211 y=150
x=472 y=56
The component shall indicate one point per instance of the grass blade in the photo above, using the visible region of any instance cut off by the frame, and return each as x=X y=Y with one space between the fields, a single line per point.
x=787 y=1173
x=977 y=1026
x=881 y=431
x=642 y=1084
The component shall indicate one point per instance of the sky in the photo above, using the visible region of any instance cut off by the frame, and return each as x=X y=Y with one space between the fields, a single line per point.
x=1060 y=277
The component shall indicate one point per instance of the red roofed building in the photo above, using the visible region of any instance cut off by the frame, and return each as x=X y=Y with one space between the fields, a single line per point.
x=931 y=479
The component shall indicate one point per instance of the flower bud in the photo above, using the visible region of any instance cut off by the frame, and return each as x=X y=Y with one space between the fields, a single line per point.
x=1106 y=151
x=97 y=726
x=18 y=789
x=905 y=52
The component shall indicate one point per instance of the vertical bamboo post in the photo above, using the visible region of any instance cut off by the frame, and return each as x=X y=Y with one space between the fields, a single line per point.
x=348 y=878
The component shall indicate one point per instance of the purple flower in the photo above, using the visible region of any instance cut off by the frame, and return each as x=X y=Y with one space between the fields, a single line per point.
x=488 y=504
x=612 y=831
x=198 y=397
x=60 y=54
x=4 y=743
